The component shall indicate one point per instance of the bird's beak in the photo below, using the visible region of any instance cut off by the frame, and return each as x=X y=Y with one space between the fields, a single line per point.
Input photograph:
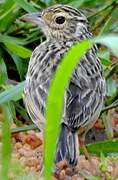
x=35 y=18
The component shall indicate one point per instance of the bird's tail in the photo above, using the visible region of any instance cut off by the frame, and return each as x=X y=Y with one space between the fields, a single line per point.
x=68 y=147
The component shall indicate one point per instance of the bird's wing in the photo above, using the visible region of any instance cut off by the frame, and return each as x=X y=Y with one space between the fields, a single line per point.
x=84 y=96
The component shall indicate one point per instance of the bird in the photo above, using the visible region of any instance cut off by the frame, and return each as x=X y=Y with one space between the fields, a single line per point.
x=64 y=26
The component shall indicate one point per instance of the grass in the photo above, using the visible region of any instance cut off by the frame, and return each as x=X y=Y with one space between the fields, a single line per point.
x=18 y=39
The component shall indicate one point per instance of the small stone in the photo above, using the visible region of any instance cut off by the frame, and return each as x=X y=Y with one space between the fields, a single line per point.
x=110 y=169
x=27 y=169
x=116 y=172
x=33 y=141
x=21 y=152
x=18 y=145
x=38 y=168
x=32 y=169
x=23 y=160
x=26 y=147
x=32 y=162
x=54 y=178
x=16 y=155
x=62 y=164
x=20 y=137
x=62 y=175
x=68 y=171
x=76 y=177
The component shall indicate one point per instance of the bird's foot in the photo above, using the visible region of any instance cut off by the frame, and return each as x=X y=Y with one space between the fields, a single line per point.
x=85 y=151
x=63 y=169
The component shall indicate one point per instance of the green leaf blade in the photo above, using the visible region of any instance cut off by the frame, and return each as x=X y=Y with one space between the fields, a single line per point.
x=18 y=50
x=14 y=93
x=55 y=100
x=26 y=5
x=6 y=142
x=3 y=71
x=107 y=147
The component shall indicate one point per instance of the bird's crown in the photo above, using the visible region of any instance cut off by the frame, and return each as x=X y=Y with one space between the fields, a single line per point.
x=59 y=21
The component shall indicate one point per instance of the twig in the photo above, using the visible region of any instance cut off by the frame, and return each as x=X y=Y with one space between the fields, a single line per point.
x=108 y=125
x=23 y=129
x=113 y=70
x=13 y=82
x=113 y=105
x=112 y=98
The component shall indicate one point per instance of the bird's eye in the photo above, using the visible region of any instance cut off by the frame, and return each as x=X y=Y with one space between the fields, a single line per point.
x=60 y=20
x=82 y=20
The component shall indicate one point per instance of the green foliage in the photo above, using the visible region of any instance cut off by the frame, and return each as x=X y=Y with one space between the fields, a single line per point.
x=104 y=163
x=107 y=147
x=26 y=6
x=18 y=39
x=18 y=50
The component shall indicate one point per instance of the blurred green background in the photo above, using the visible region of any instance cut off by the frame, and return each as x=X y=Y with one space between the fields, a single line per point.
x=18 y=39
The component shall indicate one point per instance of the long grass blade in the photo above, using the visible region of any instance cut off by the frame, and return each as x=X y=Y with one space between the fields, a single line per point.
x=13 y=93
x=6 y=142
x=55 y=101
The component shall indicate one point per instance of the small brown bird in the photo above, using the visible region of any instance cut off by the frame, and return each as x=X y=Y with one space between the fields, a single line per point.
x=64 y=26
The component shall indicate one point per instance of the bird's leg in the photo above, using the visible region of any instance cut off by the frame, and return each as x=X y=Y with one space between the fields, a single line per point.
x=83 y=146
x=81 y=139
x=86 y=153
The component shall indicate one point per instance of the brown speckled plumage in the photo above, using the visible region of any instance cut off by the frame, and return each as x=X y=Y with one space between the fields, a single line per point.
x=63 y=27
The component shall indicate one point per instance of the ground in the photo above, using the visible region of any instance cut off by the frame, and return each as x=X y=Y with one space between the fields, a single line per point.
x=28 y=149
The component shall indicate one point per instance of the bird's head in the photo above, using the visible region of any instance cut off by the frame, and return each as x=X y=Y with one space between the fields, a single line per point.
x=59 y=22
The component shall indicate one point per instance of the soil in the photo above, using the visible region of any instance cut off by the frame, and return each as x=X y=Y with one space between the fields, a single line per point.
x=28 y=149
